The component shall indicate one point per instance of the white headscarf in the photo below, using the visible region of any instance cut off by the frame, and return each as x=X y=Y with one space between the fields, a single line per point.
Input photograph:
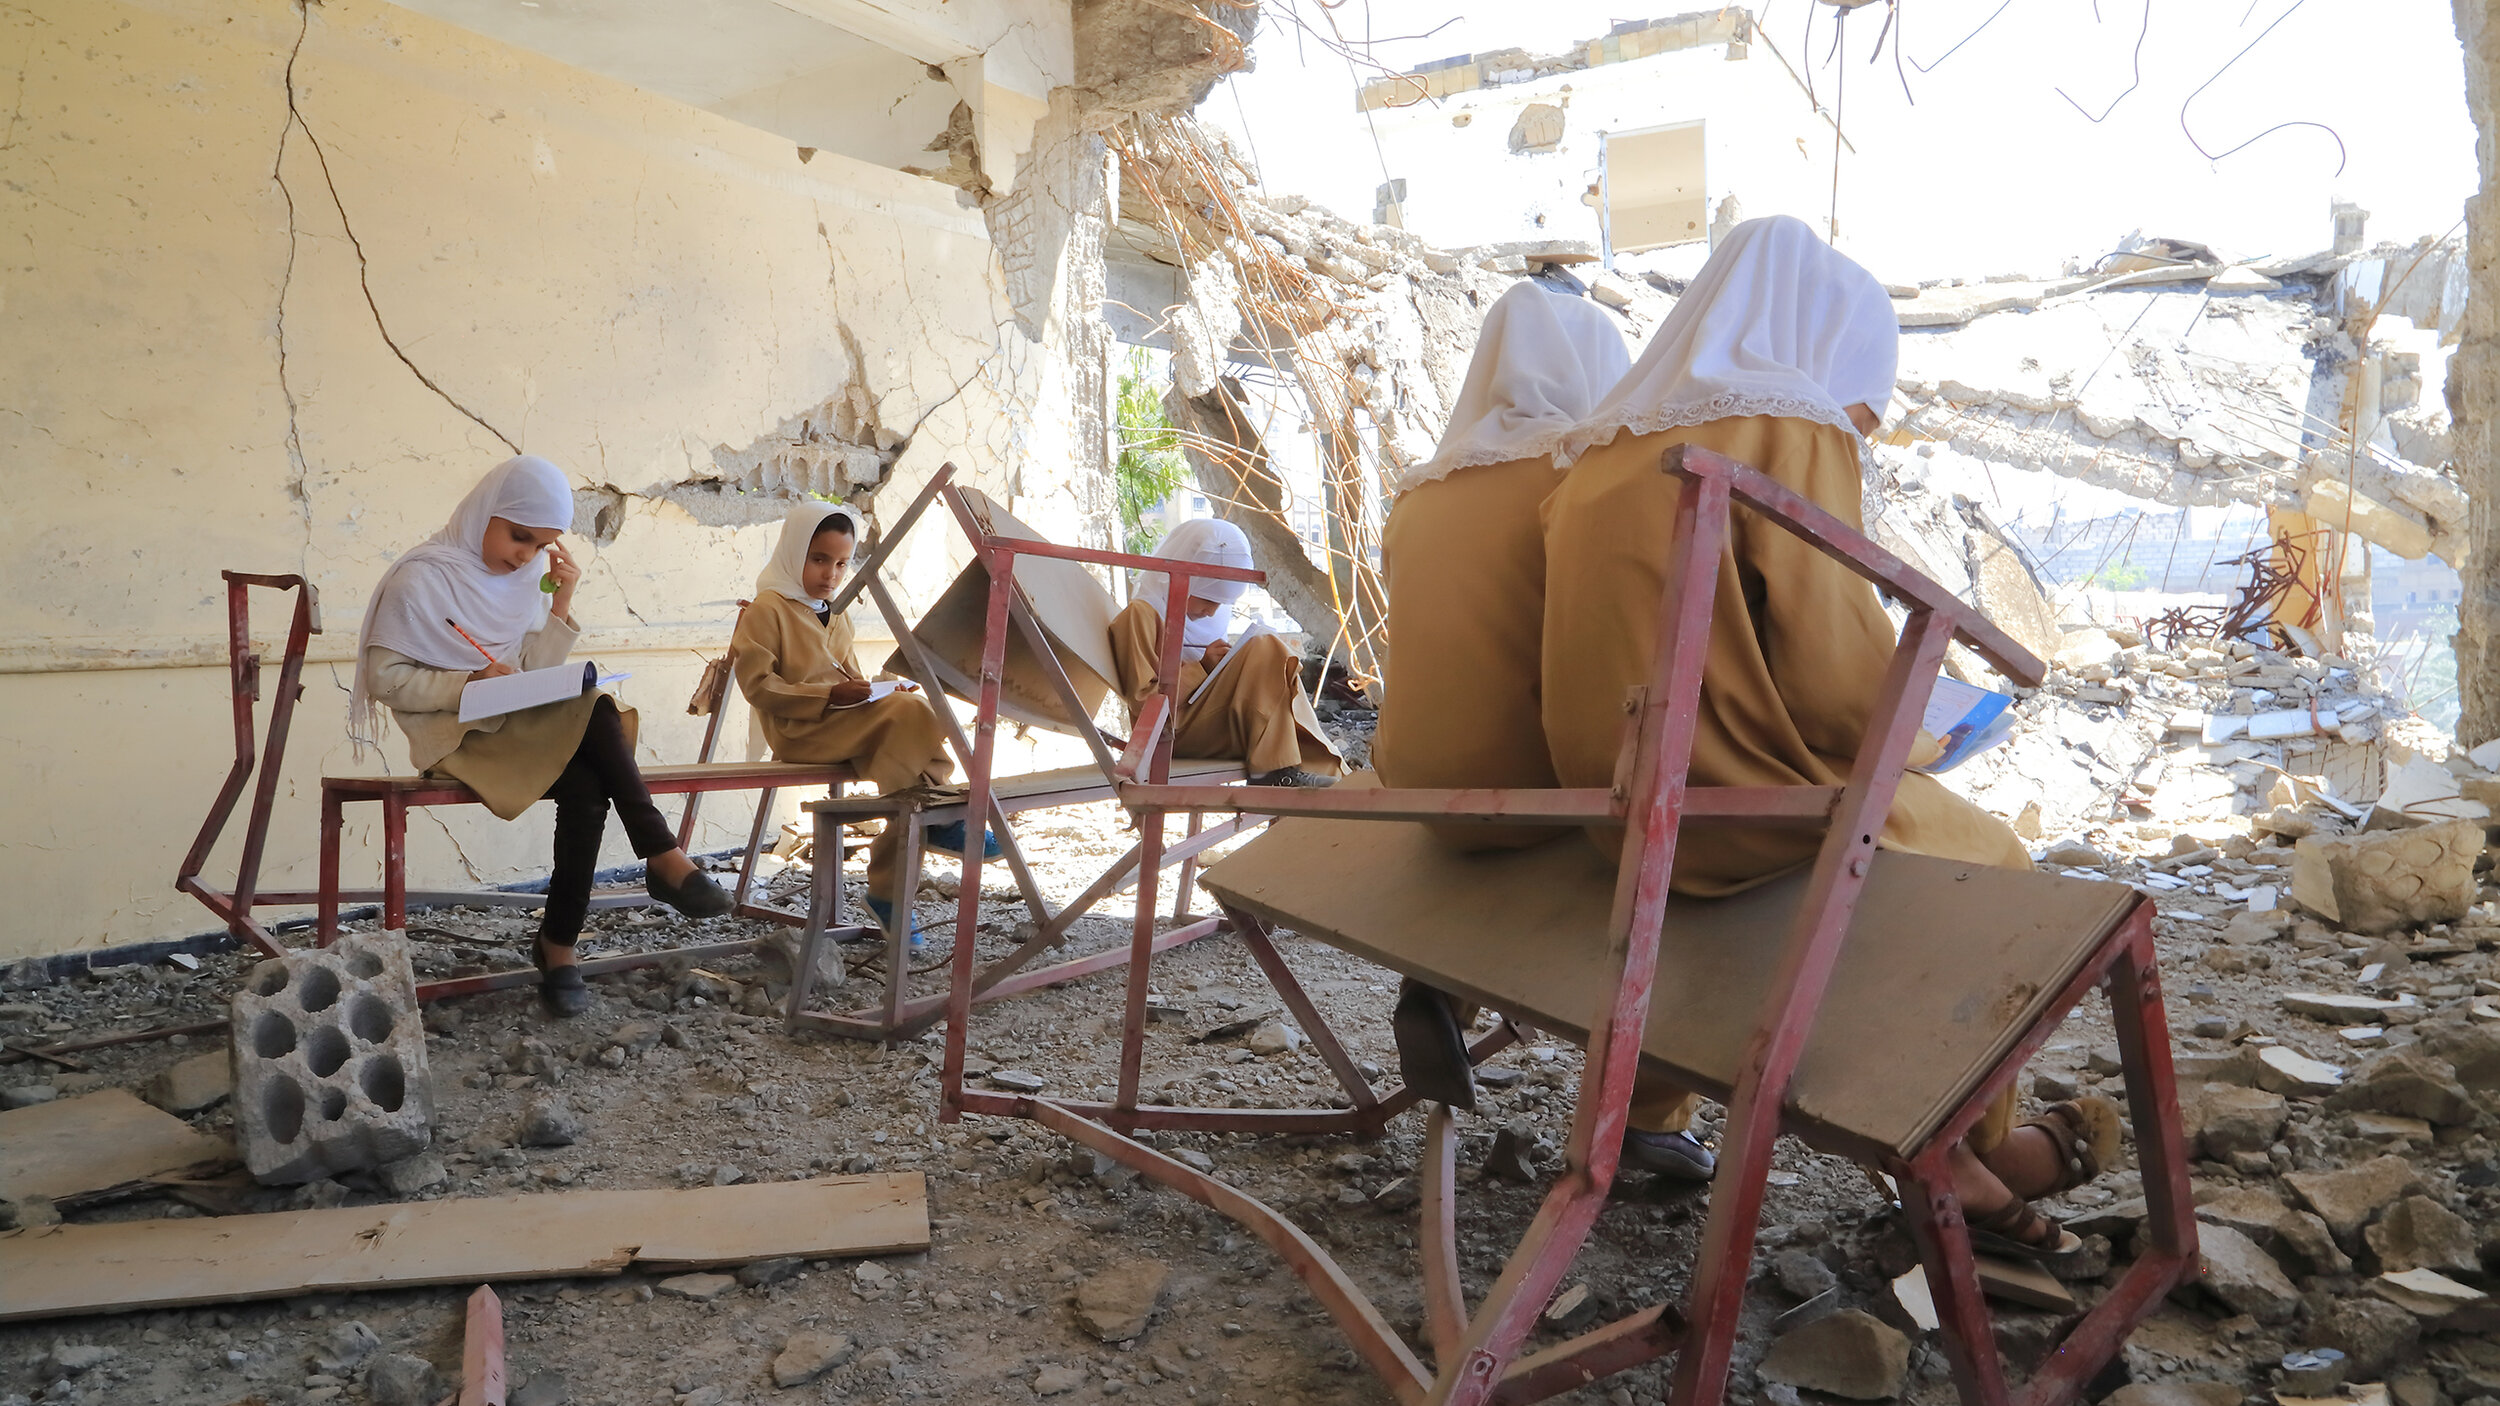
x=1542 y=360
x=783 y=570
x=1216 y=543
x=1777 y=323
x=445 y=578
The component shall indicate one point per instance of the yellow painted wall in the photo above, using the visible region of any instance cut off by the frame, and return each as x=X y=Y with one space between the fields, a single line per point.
x=199 y=257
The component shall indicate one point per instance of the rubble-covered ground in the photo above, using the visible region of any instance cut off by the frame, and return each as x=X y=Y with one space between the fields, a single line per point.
x=2374 y=1153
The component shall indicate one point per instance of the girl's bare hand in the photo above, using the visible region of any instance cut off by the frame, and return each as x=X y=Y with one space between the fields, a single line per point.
x=560 y=565
x=495 y=670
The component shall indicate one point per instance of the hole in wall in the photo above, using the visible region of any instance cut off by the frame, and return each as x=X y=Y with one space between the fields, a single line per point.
x=363 y=965
x=384 y=1082
x=319 y=991
x=282 y=1110
x=325 y=1050
x=370 y=1017
x=272 y=1035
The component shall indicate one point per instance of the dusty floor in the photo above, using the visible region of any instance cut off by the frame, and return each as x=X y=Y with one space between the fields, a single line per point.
x=1020 y=1217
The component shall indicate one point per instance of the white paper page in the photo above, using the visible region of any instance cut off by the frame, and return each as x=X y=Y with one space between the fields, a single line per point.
x=890 y=687
x=490 y=698
x=1231 y=652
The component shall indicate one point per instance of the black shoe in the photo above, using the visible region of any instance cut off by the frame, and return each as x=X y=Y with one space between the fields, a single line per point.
x=1294 y=776
x=1677 y=1156
x=1432 y=1050
x=697 y=897
x=562 y=988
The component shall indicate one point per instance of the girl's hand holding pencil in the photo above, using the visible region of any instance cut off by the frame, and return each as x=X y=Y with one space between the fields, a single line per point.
x=495 y=668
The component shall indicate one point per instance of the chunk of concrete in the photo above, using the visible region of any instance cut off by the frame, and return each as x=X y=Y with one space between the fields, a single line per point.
x=805 y=1356
x=2419 y=1233
x=2347 y=1197
x=2371 y=1333
x=2408 y=1083
x=702 y=1288
x=2382 y=881
x=2175 y=1393
x=1117 y=1303
x=2287 y=1071
x=398 y=1379
x=2228 y=1119
x=1850 y=1354
x=329 y=1062
x=202 y=1081
x=2245 y=1278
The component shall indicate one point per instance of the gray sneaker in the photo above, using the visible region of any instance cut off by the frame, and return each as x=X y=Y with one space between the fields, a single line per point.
x=1293 y=776
x=1679 y=1156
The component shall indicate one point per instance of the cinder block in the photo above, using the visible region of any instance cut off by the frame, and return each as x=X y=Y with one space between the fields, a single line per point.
x=329 y=1062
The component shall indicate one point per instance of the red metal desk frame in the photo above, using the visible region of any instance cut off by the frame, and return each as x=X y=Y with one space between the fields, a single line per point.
x=901 y=1016
x=1479 y=1356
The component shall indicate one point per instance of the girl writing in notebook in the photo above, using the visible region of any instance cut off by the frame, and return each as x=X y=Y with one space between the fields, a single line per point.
x=467 y=603
x=1255 y=710
x=798 y=669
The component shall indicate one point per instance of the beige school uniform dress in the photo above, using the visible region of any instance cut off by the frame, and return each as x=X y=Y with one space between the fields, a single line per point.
x=1777 y=322
x=787 y=662
x=1464 y=557
x=509 y=760
x=1256 y=711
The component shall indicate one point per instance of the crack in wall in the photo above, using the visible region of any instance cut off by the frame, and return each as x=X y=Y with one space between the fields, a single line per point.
x=298 y=486
x=364 y=281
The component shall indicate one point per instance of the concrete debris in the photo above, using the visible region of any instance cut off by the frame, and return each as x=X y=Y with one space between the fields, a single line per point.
x=202 y=1081
x=702 y=1288
x=2226 y=1118
x=2371 y=1333
x=399 y=1379
x=1116 y=1304
x=2243 y=1277
x=1850 y=1354
x=2411 y=1084
x=550 y=1122
x=2287 y=1071
x=2379 y=883
x=2427 y=1294
x=2175 y=1393
x=807 y=1355
x=330 y=1066
x=2419 y=1233
x=2346 y=1198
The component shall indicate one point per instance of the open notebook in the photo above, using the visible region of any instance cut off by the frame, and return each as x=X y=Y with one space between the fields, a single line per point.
x=492 y=698
x=1231 y=653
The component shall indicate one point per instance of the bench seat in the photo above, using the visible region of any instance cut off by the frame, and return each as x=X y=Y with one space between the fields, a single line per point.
x=662 y=780
x=1038 y=790
x=1945 y=967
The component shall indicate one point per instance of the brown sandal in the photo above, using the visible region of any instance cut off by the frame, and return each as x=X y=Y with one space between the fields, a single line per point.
x=2086 y=1131
x=2017 y=1230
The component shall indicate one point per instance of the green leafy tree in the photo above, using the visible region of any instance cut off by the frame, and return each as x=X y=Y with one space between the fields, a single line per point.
x=1150 y=467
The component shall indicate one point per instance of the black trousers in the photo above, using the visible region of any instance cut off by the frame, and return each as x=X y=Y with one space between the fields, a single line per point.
x=601 y=774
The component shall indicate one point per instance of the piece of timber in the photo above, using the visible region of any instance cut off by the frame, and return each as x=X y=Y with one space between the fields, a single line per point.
x=1803 y=806
x=96 y=1142
x=119 y=1266
x=481 y=1351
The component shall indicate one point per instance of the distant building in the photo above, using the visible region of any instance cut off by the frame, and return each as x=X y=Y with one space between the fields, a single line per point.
x=1628 y=142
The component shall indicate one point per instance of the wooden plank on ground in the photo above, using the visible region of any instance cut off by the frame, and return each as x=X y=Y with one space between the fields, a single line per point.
x=66 y=1269
x=94 y=1142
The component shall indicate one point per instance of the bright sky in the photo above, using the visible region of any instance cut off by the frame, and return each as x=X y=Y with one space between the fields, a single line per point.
x=1991 y=171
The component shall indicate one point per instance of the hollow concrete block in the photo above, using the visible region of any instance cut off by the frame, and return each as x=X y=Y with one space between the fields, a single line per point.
x=329 y=1062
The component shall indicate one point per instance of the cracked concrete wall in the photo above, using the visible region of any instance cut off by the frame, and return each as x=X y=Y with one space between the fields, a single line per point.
x=283 y=282
x=2474 y=387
